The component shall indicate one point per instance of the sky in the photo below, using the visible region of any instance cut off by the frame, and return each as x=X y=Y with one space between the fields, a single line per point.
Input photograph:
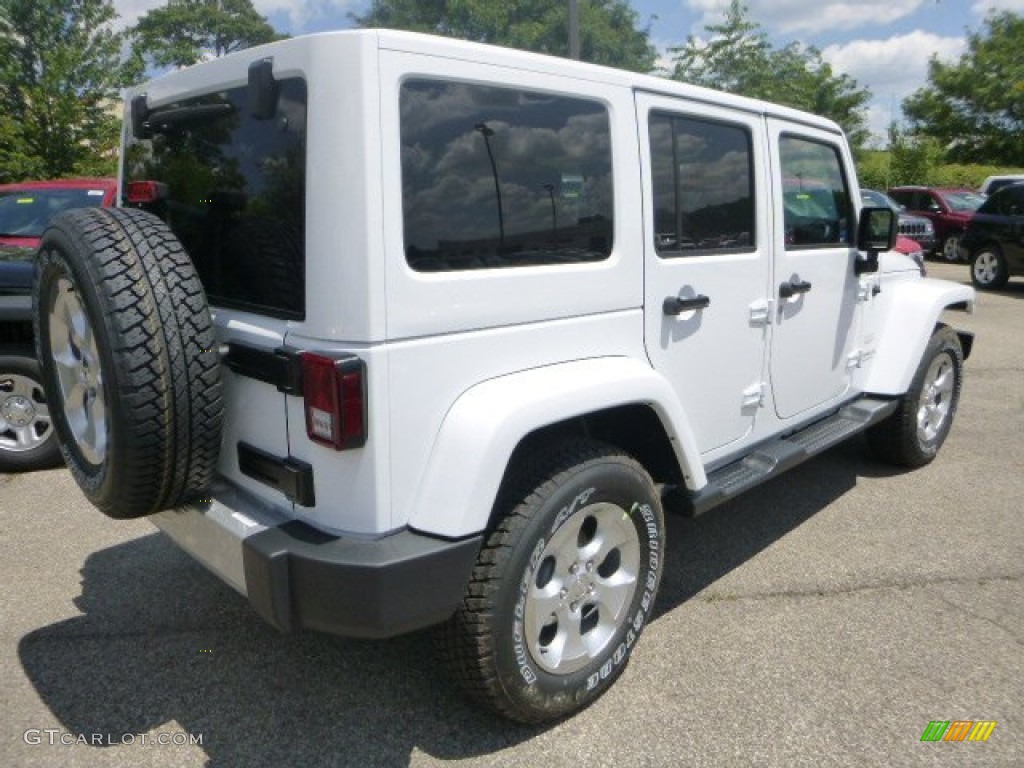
x=885 y=45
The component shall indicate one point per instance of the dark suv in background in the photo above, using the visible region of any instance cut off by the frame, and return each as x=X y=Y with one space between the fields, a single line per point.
x=949 y=209
x=994 y=240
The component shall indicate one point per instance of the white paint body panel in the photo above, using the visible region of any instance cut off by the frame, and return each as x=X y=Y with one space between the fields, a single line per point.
x=463 y=365
x=485 y=425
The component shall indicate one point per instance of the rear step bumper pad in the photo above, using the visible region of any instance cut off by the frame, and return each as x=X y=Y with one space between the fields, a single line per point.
x=297 y=576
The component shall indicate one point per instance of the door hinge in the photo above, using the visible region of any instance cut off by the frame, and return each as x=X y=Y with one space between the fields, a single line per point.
x=753 y=396
x=761 y=312
x=855 y=359
x=867 y=289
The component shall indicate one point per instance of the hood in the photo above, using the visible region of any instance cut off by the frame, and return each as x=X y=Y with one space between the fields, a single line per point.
x=16 y=267
x=894 y=261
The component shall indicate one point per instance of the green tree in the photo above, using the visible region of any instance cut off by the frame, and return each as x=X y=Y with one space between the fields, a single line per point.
x=608 y=28
x=183 y=32
x=975 y=107
x=61 y=72
x=737 y=57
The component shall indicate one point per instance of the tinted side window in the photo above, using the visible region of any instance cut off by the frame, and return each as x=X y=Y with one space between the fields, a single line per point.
x=816 y=202
x=234 y=192
x=501 y=177
x=703 y=186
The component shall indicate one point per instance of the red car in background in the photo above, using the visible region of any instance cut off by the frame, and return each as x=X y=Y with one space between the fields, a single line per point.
x=27 y=207
x=950 y=211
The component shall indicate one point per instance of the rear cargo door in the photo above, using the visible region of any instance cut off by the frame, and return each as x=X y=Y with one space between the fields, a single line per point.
x=255 y=433
x=230 y=181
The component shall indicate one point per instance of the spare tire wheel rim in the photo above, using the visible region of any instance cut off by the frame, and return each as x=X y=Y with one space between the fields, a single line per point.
x=79 y=373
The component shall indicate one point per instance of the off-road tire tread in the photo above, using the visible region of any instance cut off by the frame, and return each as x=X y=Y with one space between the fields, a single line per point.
x=894 y=440
x=166 y=373
x=465 y=643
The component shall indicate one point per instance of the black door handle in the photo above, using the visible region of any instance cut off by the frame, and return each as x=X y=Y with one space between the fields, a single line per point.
x=792 y=288
x=673 y=305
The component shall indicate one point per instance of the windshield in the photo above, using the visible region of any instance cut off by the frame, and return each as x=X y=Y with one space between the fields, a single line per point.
x=963 y=201
x=26 y=212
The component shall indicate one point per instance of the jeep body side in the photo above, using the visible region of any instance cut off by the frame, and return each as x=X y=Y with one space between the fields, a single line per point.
x=508 y=272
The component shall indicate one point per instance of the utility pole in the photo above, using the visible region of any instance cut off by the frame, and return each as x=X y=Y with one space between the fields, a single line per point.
x=574 y=29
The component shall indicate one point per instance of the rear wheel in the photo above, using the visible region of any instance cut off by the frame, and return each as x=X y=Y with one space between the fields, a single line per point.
x=563 y=587
x=125 y=340
x=988 y=268
x=27 y=439
x=913 y=434
x=951 y=248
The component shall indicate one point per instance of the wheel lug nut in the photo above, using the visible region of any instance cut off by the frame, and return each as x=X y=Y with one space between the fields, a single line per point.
x=590 y=566
x=574 y=607
x=564 y=593
x=574 y=568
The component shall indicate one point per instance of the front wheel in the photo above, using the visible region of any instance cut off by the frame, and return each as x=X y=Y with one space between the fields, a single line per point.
x=988 y=268
x=913 y=434
x=563 y=586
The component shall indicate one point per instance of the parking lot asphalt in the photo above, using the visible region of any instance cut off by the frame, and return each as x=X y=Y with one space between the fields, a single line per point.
x=823 y=619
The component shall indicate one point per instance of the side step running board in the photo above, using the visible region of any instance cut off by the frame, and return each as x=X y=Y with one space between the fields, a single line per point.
x=775 y=456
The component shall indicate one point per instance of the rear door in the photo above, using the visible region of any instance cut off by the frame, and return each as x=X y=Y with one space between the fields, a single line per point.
x=816 y=290
x=231 y=186
x=707 y=260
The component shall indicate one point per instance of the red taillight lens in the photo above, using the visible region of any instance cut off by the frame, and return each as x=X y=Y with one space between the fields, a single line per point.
x=334 y=390
x=139 y=192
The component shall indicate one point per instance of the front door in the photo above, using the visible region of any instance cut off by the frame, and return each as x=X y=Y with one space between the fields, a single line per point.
x=707 y=260
x=816 y=290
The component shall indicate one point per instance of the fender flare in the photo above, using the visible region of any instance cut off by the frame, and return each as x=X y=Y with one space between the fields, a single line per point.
x=471 y=451
x=913 y=308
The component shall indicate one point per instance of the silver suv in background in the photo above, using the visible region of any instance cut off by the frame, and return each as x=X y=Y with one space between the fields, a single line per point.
x=993 y=184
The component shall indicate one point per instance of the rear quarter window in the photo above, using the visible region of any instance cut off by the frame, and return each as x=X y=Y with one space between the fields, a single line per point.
x=496 y=177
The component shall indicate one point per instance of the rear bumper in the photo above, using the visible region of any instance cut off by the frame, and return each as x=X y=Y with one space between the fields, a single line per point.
x=297 y=576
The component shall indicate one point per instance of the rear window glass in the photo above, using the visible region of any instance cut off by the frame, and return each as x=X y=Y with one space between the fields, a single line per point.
x=502 y=177
x=232 y=187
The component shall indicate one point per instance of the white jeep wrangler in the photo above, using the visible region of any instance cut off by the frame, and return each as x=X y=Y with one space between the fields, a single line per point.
x=415 y=332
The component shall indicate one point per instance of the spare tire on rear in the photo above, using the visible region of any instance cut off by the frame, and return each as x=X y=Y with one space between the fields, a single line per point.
x=125 y=338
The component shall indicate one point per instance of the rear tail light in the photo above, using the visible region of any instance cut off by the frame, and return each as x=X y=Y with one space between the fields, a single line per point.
x=334 y=390
x=139 y=192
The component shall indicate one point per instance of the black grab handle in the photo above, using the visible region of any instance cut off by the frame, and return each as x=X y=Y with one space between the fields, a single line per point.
x=673 y=305
x=792 y=288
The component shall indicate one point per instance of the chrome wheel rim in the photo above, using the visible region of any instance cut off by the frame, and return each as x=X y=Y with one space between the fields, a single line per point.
x=936 y=398
x=582 y=588
x=79 y=374
x=986 y=267
x=951 y=249
x=24 y=416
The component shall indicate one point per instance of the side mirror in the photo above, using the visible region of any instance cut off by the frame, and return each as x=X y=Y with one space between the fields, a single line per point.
x=876 y=232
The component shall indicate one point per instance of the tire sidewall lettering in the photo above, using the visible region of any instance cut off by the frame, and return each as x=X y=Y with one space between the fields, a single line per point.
x=590 y=681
